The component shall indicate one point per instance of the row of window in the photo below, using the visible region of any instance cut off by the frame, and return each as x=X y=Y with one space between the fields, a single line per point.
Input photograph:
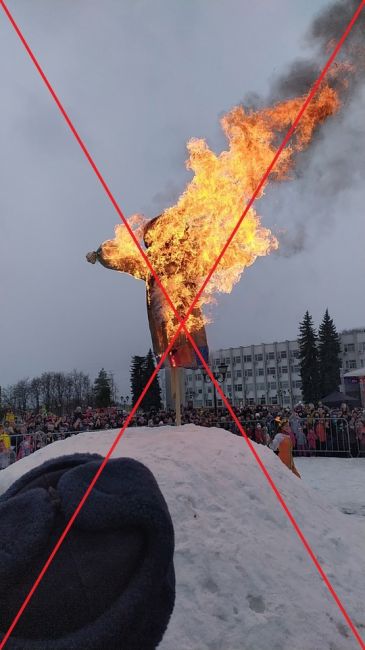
x=259 y=386
x=350 y=347
x=249 y=373
x=250 y=401
x=270 y=356
x=282 y=354
x=271 y=385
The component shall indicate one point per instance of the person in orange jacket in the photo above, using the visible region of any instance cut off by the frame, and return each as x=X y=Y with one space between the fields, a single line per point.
x=283 y=446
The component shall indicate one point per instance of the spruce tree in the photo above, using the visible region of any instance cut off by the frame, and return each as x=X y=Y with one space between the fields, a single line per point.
x=102 y=390
x=141 y=370
x=329 y=356
x=308 y=354
x=152 y=399
x=137 y=377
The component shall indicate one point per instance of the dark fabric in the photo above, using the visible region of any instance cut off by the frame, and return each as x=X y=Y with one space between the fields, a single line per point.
x=112 y=582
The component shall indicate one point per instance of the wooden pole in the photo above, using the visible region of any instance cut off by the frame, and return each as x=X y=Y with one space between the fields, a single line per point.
x=176 y=393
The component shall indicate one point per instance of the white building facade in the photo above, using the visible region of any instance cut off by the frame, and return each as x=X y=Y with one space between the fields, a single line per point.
x=268 y=373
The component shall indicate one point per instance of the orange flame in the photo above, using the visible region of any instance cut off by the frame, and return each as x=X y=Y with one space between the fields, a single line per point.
x=184 y=242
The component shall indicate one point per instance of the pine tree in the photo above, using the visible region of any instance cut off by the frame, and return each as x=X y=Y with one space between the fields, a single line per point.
x=308 y=354
x=329 y=356
x=137 y=377
x=152 y=399
x=101 y=390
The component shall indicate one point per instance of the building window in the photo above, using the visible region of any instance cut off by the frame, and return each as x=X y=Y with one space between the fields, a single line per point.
x=284 y=370
x=260 y=372
x=273 y=384
x=271 y=371
x=228 y=360
x=274 y=400
x=349 y=347
x=295 y=354
x=251 y=400
x=298 y=384
x=351 y=364
x=209 y=402
x=247 y=358
x=228 y=375
x=248 y=372
x=270 y=355
x=296 y=368
x=198 y=377
x=217 y=362
x=259 y=357
x=284 y=384
x=209 y=389
x=238 y=388
x=238 y=373
x=237 y=359
x=283 y=354
x=200 y=390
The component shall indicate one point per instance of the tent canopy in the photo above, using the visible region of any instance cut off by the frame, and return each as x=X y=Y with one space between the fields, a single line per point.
x=336 y=399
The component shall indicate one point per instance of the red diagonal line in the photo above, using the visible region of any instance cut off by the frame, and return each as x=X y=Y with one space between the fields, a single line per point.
x=264 y=178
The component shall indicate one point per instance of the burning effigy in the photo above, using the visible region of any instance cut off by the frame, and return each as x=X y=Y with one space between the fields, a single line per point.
x=183 y=243
x=121 y=254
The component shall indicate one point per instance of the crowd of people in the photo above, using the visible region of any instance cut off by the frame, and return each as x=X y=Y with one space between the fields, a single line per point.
x=312 y=429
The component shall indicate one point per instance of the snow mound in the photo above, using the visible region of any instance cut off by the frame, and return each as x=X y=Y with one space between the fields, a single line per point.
x=244 y=579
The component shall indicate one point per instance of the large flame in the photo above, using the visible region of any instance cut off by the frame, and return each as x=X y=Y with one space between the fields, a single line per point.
x=184 y=242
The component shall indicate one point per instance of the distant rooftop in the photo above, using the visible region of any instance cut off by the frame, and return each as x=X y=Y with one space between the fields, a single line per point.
x=353 y=330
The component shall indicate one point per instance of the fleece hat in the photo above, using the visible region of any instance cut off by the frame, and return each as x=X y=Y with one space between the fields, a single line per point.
x=112 y=583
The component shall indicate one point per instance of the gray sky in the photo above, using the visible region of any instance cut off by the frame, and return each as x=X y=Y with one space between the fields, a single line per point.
x=139 y=78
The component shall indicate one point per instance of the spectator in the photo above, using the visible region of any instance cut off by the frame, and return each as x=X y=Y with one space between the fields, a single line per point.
x=283 y=445
x=5 y=438
x=4 y=455
x=312 y=439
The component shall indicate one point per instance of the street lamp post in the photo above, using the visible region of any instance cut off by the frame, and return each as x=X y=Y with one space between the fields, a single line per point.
x=220 y=377
x=124 y=400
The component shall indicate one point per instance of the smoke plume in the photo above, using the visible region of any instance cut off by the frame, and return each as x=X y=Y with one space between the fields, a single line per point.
x=323 y=35
x=335 y=163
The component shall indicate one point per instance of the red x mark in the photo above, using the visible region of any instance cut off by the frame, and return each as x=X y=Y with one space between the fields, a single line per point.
x=182 y=326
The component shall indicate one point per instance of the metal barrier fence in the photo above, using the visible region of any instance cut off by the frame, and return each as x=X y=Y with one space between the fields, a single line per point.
x=314 y=437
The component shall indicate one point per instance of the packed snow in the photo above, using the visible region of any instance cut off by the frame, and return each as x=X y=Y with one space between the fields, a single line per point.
x=244 y=579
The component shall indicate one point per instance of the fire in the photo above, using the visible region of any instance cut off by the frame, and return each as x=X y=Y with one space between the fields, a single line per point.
x=184 y=242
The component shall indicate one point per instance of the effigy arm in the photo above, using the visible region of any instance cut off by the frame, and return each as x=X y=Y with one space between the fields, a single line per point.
x=110 y=256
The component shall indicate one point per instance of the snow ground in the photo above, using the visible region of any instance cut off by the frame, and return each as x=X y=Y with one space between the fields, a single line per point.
x=341 y=481
x=244 y=579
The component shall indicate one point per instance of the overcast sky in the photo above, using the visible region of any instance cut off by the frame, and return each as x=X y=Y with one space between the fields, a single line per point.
x=139 y=78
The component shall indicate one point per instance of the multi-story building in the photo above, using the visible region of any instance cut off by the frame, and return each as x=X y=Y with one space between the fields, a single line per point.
x=352 y=350
x=267 y=373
